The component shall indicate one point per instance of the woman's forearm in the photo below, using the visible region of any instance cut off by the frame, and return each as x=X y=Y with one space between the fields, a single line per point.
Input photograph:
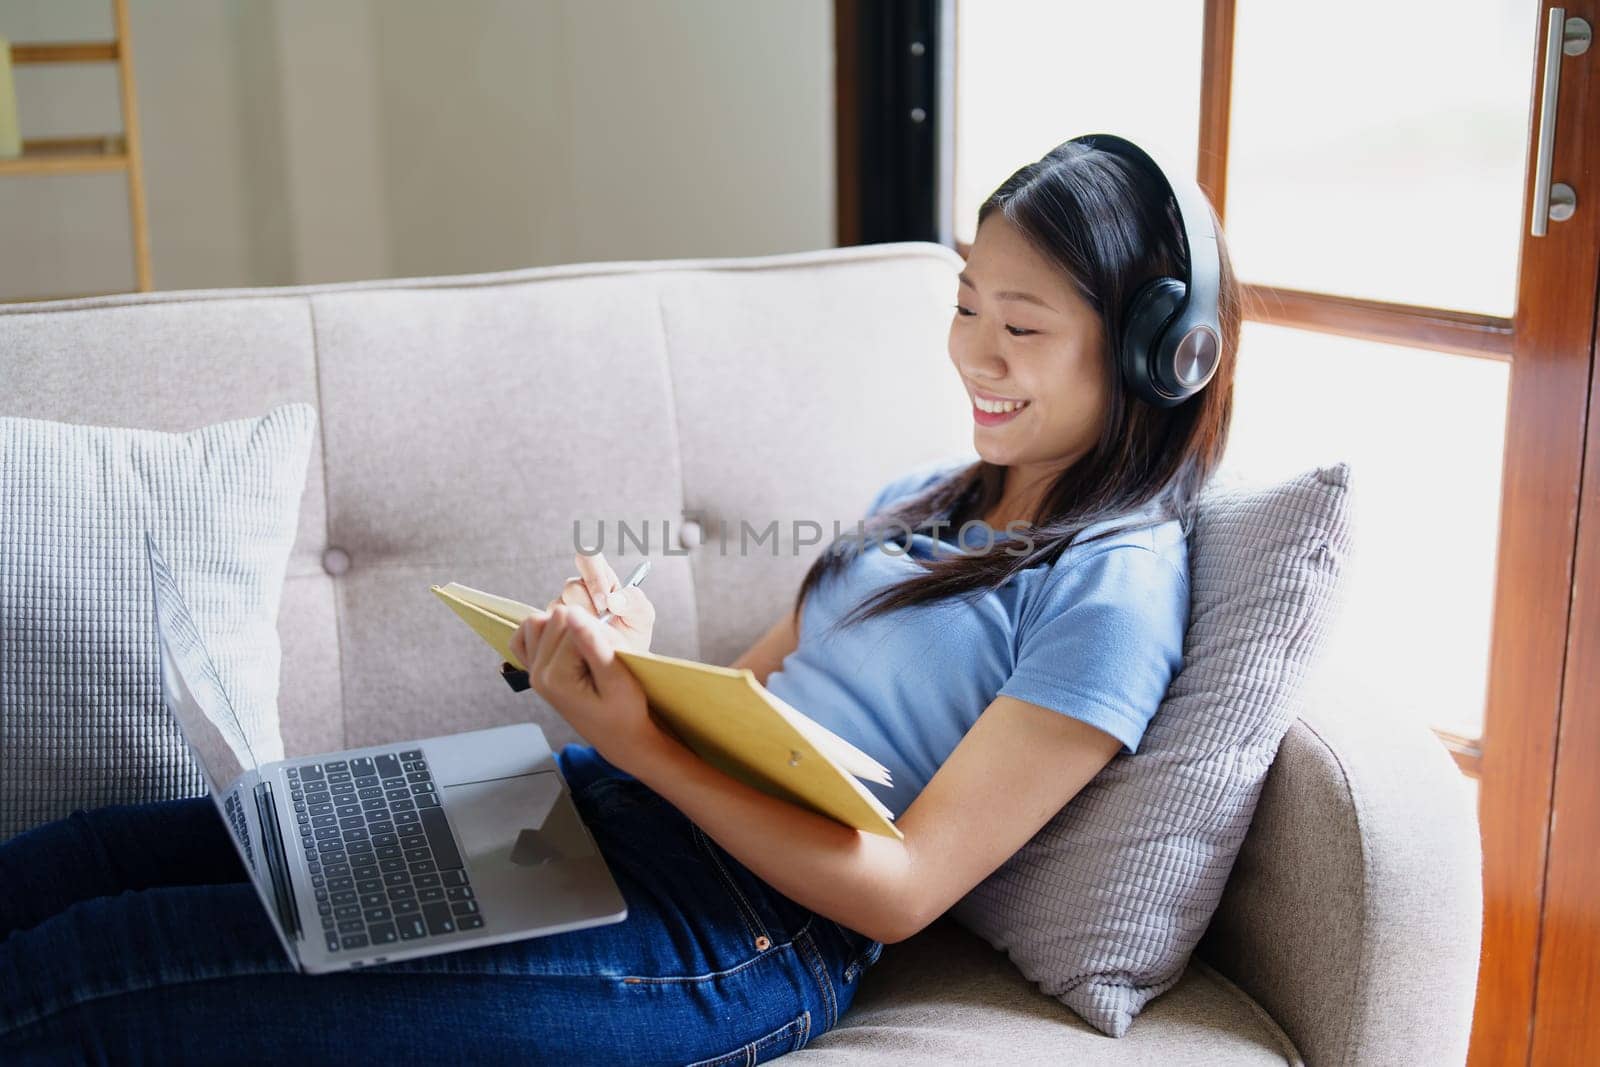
x=861 y=880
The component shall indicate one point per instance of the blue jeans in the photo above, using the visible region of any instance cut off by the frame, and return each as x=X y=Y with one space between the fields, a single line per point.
x=129 y=934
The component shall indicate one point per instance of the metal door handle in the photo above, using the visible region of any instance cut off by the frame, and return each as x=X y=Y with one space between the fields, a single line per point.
x=1562 y=36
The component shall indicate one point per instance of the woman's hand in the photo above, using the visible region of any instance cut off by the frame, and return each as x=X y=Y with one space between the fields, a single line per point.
x=597 y=588
x=573 y=664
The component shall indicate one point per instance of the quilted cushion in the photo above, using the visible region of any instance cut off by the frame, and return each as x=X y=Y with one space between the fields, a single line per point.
x=81 y=719
x=1104 y=905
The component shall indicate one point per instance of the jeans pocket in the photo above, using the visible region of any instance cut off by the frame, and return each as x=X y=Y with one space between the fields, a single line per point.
x=719 y=860
x=790 y=1037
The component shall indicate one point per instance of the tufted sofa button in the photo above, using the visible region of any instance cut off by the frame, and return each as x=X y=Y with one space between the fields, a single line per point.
x=335 y=561
x=690 y=534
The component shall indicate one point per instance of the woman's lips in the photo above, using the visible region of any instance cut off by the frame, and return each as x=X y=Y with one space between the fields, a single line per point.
x=997 y=418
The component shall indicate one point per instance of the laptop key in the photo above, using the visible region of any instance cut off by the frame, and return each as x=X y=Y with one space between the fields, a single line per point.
x=347 y=911
x=424 y=881
x=459 y=892
x=383 y=933
x=455 y=877
x=348 y=896
x=369 y=885
x=440 y=921
x=387 y=765
x=430 y=896
x=377 y=915
x=469 y=922
x=424 y=867
x=373 y=900
x=411 y=927
x=464 y=907
x=415 y=753
x=336 y=884
x=426 y=800
x=404 y=907
x=354 y=941
x=333 y=941
x=353 y=926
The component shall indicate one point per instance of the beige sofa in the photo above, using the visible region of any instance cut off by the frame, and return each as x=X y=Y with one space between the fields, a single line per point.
x=468 y=421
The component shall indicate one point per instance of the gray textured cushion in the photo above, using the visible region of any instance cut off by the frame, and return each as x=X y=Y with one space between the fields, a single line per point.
x=81 y=720
x=1103 y=907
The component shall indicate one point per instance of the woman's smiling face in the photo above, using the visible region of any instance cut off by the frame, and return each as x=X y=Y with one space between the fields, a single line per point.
x=1022 y=332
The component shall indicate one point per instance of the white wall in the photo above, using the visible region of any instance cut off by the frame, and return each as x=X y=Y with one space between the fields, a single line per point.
x=323 y=140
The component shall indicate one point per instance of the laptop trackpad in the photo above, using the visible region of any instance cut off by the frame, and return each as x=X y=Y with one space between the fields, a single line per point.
x=515 y=822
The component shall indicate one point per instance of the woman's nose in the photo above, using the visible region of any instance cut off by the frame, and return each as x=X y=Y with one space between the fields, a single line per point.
x=977 y=361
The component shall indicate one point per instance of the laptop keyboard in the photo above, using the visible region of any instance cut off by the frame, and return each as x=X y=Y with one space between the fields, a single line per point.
x=382 y=860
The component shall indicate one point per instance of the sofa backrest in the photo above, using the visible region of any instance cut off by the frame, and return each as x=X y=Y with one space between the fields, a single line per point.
x=467 y=422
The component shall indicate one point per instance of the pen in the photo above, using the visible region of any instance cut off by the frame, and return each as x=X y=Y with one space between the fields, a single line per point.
x=517 y=678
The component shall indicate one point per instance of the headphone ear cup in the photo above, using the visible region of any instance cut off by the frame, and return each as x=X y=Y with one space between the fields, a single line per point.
x=1149 y=312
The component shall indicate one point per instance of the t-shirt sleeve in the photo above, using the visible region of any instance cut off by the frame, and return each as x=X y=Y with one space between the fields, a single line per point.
x=1105 y=642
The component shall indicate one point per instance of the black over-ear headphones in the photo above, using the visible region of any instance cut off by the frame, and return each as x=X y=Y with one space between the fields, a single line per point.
x=1171 y=340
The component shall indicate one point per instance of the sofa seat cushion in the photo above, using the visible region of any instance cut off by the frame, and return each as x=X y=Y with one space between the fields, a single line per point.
x=946 y=997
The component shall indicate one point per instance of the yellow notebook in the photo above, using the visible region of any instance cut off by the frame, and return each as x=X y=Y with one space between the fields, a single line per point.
x=728 y=718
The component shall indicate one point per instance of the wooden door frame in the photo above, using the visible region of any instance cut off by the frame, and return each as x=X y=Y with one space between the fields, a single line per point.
x=1526 y=717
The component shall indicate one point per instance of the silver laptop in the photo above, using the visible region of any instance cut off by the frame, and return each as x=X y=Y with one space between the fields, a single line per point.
x=395 y=851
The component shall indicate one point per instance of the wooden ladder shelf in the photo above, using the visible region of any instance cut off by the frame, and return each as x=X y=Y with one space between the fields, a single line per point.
x=94 y=155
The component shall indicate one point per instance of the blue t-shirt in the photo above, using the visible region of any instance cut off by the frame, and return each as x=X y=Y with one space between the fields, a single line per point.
x=1097 y=635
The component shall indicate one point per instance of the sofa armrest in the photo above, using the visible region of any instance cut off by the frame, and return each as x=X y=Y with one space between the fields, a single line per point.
x=1354 y=911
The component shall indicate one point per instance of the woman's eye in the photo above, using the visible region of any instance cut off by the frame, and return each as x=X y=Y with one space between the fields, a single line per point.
x=1015 y=331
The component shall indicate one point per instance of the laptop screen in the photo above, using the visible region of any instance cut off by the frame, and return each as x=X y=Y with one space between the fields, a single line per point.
x=193 y=693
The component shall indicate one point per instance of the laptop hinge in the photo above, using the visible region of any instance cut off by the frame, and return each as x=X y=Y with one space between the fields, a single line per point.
x=277 y=861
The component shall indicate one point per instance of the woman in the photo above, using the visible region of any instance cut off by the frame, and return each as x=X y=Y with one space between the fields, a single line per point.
x=994 y=674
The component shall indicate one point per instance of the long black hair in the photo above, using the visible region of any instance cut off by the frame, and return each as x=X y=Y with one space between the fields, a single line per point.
x=1110 y=227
